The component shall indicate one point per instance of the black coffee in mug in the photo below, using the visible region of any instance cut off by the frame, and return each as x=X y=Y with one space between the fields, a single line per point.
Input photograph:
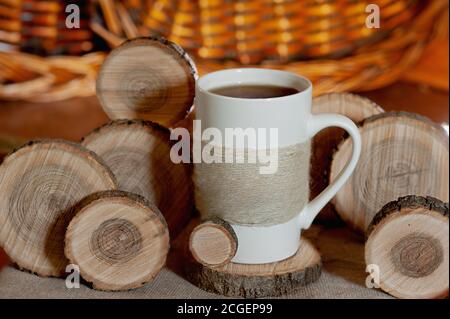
x=254 y=91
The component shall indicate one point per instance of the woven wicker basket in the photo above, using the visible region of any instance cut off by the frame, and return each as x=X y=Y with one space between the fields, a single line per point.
x=254 y=30
x=39 y=27
x=325 y=40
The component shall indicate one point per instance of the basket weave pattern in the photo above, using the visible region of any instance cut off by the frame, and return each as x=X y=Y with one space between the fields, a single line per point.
x=254 y=30
x=324 y=40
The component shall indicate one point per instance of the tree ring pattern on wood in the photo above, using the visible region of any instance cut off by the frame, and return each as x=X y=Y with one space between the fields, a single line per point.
x=145 y=90
x=41 y=182
x=213 y=243
x=119 y=240
x=402 y=154
x=147 y=78
x=408 y=241
x=403 y=173
x=417 y=255
x=36 y=191
x=356 y=108
x=116 y=241
x=260 y=280
x=138 y=153
x=153 y=184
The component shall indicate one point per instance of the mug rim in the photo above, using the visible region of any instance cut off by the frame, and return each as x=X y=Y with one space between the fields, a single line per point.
x=212 y=76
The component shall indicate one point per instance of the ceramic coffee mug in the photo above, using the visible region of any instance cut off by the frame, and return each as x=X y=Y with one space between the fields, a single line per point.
x=291 y=115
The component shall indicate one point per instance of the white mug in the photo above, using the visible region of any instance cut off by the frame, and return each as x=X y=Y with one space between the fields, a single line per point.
x=291 y=115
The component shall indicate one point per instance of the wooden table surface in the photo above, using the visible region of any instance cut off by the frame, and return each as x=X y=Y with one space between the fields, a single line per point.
x=72 y=119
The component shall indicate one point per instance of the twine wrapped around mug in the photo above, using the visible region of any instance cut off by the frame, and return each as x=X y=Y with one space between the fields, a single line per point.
x=238 y=193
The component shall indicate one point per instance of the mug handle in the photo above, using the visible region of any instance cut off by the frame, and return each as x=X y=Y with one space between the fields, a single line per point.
x=316 y=123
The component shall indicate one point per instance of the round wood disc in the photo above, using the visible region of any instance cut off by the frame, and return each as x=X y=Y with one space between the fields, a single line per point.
x=265 y=280
x=402 y=154
x=213 y=243
x=119 y=240
x=409 y=242
x=355 y=107
x=147 y=78
x=40 y=183
x=138 y=153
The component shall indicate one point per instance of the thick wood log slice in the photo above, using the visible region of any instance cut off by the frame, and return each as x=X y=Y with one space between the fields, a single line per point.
x=118 y=239
x=213 y=243
x=402 y=154
x=147 y=78
x=253 y=281
x=408 y=240
x=39 y=184
x=355 y=107
x=138 y=154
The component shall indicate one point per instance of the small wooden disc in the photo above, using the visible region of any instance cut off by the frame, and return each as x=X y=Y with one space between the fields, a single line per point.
x=355 y=107
x=213 y=243
x=138 y=153
x=265 y=280
x=118 y=239
x=402 y=154
x=40 y=183
x=409 y=242
x=147 y=78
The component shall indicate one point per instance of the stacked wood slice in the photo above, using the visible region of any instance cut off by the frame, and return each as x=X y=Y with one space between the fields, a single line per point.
x=40 y=184
x=210 y=246
x=213 y=243
x=263 y=280
x=402 y=154
x=118 y=239
x=407 y=248
x=138 y=153
x=324 y=144
x=131 y=85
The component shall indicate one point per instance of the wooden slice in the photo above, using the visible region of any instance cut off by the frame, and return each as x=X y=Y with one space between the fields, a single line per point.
x=147 y=78
x=39 y=184
x=265 y=280
x=213 y=243
x=408 y=241
x=355 y=107
x=138 y=153
x=402 y=154
x=119 y=240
